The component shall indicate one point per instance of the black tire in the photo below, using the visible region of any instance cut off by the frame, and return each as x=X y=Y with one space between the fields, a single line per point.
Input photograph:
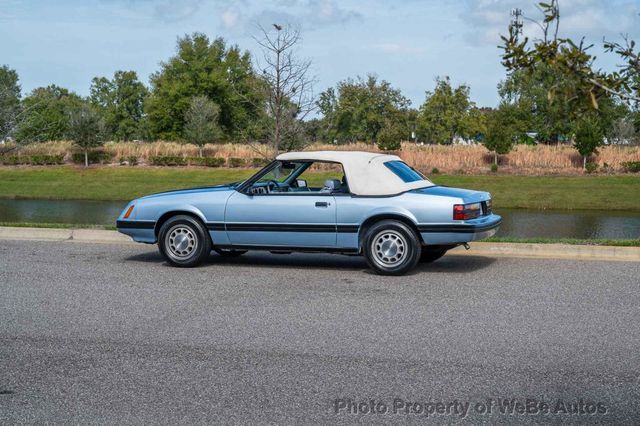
x=184 y=241
x=431 y=254
x=391 y=247
x=229 y=253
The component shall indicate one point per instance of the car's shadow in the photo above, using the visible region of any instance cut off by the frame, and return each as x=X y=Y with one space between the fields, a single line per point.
x=448 y=264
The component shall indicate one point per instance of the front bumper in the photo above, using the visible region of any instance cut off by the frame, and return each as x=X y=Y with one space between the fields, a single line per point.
x=460 y=232
x=142 y=231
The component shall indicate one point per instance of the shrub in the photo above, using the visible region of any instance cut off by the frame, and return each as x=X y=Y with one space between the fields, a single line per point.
x=95 y=157
x=390 y=138
x=34 y=160
x=591 y=167
x=130 y=160
x=168 y=161
x=494 y=168
x=236 y=162
x=435 y=171
x=259 y=162
x=41 y=160
x=631 y=166
x=11 y=160
x=206 y=161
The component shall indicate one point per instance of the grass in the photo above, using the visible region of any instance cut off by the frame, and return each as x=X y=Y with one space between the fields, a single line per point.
x=554 y=192
x=126 y=183
x=106 y=183
x=570 y=241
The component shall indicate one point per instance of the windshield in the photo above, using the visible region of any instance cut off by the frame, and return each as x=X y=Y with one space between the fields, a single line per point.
x=279 y=173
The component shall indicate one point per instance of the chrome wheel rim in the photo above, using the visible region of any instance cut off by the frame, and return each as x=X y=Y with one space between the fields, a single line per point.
x=389 y=248
x=181 y=242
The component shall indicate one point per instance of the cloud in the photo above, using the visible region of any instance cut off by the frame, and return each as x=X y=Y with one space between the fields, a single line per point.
x=165 y=10
x=229 y=18
x=177 y=10
x=311 y=14
x=235 y=13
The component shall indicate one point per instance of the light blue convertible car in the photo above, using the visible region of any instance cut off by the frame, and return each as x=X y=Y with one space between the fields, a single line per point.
x=371 y=204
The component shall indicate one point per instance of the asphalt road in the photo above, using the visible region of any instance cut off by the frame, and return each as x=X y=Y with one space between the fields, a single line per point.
x=110 y=334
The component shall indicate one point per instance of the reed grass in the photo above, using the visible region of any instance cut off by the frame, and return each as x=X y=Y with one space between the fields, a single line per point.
x=456 y=159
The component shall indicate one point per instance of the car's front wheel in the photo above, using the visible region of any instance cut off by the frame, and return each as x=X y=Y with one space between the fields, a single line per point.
x=391 y=247
x=184 y=241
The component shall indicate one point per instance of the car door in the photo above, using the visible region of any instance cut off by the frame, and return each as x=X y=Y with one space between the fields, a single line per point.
x=283 y=220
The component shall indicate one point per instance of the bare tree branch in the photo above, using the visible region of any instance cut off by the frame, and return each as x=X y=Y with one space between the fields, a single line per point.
x=289 y=97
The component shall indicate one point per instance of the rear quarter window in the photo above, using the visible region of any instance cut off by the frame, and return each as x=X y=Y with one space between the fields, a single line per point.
x=403 y=171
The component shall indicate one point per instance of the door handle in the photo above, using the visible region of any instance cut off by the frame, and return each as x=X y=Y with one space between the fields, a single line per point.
x=322 y=204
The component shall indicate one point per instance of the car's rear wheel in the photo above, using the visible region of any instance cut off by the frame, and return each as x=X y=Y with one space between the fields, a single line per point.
x=391 y=247
x=431 y=254
x=229 y=253
x=184 y=241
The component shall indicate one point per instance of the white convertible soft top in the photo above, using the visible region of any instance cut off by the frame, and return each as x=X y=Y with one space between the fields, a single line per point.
x=365 y=171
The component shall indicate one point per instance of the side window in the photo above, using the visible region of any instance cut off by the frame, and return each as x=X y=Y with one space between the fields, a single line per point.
x=404 y=172
x=323 y=177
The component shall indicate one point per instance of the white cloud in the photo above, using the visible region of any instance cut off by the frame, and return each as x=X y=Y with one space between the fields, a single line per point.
x=311 y=14
x=229 y=18
x=177 y=10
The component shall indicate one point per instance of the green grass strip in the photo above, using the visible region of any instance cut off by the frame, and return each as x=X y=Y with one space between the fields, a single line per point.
x=620 y=193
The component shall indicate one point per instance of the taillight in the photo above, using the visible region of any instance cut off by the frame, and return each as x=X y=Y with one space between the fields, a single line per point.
x=466 y=211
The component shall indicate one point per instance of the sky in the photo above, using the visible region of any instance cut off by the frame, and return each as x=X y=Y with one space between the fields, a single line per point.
x=408 y=43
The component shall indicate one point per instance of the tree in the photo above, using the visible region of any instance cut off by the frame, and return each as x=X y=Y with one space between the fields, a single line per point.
x=9 y=101
x=588 y=136
x=445 y=114
x=623 y=131
x=45 y=114
x=390 y=137
x=549 y=116
x=121 y=103
x=503 y=130
x=289 y=87
x=474 y=124
x=201 y=122
x=200 y=67
x=539 y=95
x=85 y=126
x=572 y=60
x=356 y=110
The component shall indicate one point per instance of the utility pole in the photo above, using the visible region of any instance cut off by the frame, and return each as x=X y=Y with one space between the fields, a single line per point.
x=516 y=22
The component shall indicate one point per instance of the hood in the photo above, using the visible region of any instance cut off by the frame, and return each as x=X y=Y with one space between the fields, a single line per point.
x=216 y=188
x=467 y=195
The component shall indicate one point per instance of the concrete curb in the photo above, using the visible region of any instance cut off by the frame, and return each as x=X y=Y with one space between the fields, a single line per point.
x=554 y=251
x=71 y=235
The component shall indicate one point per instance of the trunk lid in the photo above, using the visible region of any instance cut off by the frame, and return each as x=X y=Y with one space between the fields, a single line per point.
x=467 y=195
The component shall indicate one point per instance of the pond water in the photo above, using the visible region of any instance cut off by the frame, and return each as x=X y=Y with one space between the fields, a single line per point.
x=519 y=223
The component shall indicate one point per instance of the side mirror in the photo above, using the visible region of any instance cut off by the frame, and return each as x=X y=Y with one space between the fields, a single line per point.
x=301 y=183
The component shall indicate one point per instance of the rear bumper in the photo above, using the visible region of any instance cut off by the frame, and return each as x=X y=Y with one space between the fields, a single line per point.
x=463 y=232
